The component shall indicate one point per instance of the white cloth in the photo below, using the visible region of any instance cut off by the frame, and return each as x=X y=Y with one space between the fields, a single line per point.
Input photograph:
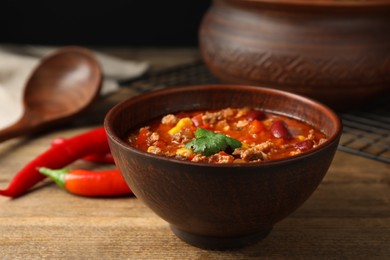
x=16 y=64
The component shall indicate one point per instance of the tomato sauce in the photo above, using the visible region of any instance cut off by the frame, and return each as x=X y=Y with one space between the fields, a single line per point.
x=230 y=135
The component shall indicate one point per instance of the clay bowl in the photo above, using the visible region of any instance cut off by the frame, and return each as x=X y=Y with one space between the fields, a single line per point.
x=220 y=206
x=337 y=52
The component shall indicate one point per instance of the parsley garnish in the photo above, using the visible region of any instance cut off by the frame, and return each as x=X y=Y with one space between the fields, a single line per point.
x=208 y=142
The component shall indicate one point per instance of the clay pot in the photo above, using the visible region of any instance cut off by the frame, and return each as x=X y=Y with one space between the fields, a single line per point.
x=337 y=52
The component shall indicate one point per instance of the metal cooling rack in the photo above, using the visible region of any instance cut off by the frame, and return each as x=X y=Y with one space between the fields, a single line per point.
x=366 y=131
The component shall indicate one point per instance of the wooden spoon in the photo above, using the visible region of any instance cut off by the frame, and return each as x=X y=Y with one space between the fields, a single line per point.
x=63 y=85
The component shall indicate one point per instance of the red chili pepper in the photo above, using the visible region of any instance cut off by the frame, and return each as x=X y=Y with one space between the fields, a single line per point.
x=95 y=157
x=100 y=158
x=89 y=183
x=58 y=156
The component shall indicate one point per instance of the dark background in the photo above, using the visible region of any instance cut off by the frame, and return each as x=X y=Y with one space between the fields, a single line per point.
x=101 y=22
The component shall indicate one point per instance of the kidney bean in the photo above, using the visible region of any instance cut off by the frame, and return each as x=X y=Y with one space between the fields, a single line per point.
x=304 y=145
x=279 y=130
x=255 y=115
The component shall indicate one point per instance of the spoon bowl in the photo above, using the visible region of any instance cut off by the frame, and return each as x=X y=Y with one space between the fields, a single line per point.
x=62 y=86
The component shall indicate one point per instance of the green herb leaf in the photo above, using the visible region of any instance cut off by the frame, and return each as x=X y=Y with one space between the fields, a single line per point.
x=207 y=142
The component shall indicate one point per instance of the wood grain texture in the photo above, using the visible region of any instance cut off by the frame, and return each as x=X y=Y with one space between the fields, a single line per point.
x=348 y=216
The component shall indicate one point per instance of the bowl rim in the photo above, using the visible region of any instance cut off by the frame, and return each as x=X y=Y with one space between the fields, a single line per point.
x=332 y=139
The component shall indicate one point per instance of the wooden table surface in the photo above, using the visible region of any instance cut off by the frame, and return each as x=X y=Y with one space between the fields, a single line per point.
x=348 y=216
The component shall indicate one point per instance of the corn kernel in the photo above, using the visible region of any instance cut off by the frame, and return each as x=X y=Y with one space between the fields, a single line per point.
x=244 y=145
x=301 y=137
x=184 y=122
x=184 y=152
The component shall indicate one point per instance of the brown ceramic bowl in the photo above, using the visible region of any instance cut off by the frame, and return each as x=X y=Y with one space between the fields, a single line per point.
x=335 y=51
x=221 y=206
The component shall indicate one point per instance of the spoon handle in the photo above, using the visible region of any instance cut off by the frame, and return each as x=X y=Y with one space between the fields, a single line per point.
x=19 y=128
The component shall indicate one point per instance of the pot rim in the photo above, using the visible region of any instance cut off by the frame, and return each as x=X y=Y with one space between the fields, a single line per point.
x=318 y=3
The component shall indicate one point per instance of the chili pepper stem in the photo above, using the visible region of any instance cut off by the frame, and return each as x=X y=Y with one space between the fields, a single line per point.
x=58 y=175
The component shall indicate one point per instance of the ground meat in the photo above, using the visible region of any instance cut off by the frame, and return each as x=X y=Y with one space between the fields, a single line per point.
x=183 y=136
x=222 y=125
x=158 y=151
x=221 y=158
x=199 y=158
x=265 y=146
x=224 y=114
x=153 y=138
x=242 y=112
x=321 y=141
x=242 y=123
x=227 y=112
x=155 y=150
x=295 y=152
x=169 y=120
x=255 y=153
x=210 y=118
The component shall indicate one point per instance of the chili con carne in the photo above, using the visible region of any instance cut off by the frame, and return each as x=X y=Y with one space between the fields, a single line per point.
x=230 y=135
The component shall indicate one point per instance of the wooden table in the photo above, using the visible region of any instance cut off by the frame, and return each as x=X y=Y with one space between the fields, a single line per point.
x=348 y=216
